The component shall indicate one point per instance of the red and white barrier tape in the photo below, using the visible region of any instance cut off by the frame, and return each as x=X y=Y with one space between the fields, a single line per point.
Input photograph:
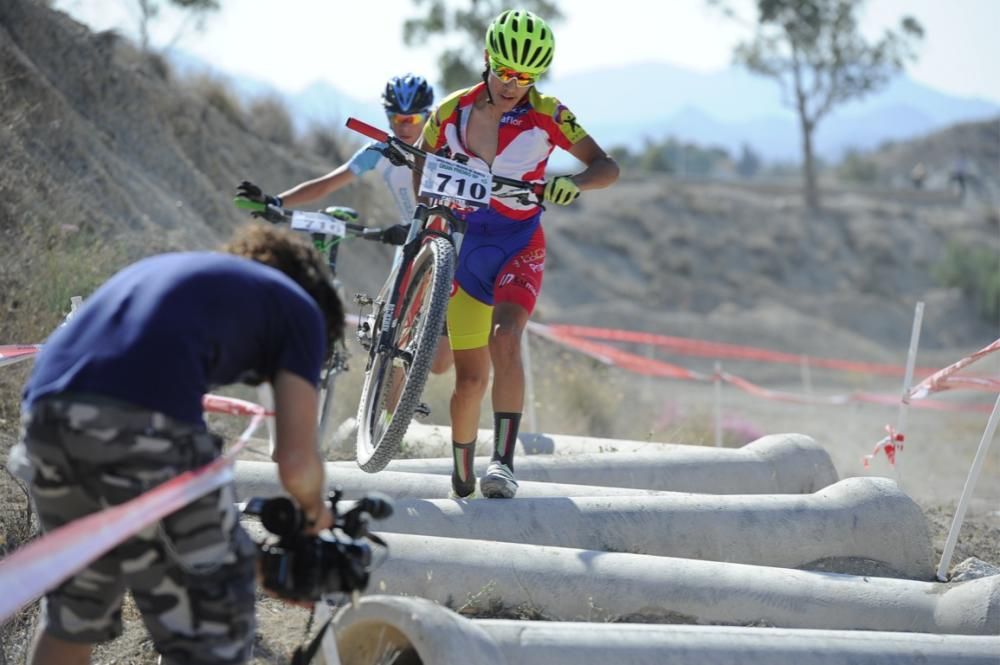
x=652 y=367
x=720 y=350
x=944 y=379
x=43 y=564
x=15 y=353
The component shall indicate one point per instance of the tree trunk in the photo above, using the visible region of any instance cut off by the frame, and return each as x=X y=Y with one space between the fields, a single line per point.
x=810 y=191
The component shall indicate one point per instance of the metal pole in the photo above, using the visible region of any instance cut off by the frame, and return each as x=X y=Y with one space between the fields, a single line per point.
x=806 y=376
x=970 y=484
x=904 y=402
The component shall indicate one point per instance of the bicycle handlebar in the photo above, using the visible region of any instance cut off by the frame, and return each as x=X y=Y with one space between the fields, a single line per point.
x=536 y=188
x=277 y=215
x=368 y=130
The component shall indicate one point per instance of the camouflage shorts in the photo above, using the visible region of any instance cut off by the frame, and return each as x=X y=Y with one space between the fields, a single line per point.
x=191 y=575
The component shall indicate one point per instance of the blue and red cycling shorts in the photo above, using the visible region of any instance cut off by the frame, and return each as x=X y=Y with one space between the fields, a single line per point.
x=501 y=261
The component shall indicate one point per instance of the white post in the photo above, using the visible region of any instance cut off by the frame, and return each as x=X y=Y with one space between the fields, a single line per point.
x=651 y=355
x=265 y=395
x=328 y=653
x=718 y=404
x=970 y=484
x=904 y=401
x=530 y=423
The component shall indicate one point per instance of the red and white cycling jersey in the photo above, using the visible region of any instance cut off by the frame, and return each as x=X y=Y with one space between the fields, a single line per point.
x=528 y=134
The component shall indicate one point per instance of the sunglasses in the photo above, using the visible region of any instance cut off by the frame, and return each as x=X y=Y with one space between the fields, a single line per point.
x=506 y=74
x=407 y=118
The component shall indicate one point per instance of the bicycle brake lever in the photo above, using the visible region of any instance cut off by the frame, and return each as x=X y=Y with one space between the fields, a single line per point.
x=392 y=153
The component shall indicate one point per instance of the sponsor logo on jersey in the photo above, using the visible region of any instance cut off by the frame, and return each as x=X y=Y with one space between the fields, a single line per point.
x=517 y=111
x=533 y=256
x=567 y=120
x=508 y=278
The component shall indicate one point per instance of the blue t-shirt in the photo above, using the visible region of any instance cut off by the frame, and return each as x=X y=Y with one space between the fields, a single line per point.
x=166 y=330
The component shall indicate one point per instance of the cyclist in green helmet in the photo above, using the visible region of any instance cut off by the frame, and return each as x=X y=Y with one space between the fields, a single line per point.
x=505 y=125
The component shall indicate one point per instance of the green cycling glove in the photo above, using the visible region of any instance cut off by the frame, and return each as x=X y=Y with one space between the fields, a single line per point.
x=561 y=191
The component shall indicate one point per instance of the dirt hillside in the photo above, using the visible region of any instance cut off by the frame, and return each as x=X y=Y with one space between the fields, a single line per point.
x=106 y=158
x=748 y=264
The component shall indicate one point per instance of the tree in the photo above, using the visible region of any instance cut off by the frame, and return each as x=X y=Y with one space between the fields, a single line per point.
x=813 y=48
x=149 y=9
x=460 y=65
x=749 y=162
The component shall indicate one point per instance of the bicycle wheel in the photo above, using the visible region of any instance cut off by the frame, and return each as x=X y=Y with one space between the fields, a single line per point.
x=395 y=376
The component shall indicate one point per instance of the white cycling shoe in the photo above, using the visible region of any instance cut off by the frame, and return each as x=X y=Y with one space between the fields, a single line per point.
x=499 y=482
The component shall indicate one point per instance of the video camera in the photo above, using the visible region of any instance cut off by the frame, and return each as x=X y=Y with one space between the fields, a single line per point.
x=302 y=567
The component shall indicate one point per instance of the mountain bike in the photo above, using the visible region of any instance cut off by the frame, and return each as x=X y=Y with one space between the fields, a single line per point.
x=327 y=229
x=403 y=323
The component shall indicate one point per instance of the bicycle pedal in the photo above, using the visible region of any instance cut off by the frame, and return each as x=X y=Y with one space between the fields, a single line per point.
x=421 y=411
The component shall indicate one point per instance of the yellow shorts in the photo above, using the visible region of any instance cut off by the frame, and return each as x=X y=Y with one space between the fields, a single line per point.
x=469 y=321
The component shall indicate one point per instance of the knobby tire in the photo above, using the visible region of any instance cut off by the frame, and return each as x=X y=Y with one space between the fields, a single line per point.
x=421 y=317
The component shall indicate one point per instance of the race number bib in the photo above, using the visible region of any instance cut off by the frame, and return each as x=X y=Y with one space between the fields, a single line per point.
x=444 y=178
x=317 y=222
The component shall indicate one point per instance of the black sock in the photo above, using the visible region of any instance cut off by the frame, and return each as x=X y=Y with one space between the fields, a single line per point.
x=505 y=426
x=463 y=481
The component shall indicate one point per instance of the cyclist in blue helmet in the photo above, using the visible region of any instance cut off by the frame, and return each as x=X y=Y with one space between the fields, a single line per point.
x=407 y=101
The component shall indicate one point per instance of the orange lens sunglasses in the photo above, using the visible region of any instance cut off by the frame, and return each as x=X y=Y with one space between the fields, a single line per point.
x=506 y=74
x=407 y=118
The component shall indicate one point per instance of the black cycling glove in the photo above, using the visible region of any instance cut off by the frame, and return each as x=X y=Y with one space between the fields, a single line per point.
x=396 y=235
x=251 y=192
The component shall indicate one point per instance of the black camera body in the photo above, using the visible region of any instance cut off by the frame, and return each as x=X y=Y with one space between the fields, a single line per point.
x=303 y=567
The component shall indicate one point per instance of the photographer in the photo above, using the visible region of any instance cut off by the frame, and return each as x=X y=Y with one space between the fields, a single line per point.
x=113 y=408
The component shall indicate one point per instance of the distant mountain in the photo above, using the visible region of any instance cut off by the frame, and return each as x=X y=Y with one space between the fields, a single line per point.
x=627 y=105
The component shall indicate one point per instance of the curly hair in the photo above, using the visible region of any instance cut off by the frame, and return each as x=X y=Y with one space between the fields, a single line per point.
x=285 y=251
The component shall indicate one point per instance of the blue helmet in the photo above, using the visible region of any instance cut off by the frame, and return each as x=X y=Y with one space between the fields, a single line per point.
x=407 y=94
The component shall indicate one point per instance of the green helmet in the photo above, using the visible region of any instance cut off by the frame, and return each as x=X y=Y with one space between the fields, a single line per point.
x=520 y=40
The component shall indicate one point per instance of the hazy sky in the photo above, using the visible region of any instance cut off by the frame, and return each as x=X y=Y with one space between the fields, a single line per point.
x=357 y=45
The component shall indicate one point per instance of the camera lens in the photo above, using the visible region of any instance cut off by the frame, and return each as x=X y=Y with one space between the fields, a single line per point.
x=281 y=517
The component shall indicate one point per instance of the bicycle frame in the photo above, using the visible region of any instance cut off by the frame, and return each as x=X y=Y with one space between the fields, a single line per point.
x=419 y=233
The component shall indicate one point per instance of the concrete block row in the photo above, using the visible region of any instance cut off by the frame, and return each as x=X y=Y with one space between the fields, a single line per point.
x=383 y=629
x=859 y=525
x=775 y=464
x=565 y=584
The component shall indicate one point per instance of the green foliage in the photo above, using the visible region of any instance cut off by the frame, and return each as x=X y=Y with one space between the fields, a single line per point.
x=150 y=9
x=817 y=54
x=749 y=163
x=976 y=271
x=673 y=156
x=74 y=263
x=461 y=65
x=623 y=156
x=858 y=169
